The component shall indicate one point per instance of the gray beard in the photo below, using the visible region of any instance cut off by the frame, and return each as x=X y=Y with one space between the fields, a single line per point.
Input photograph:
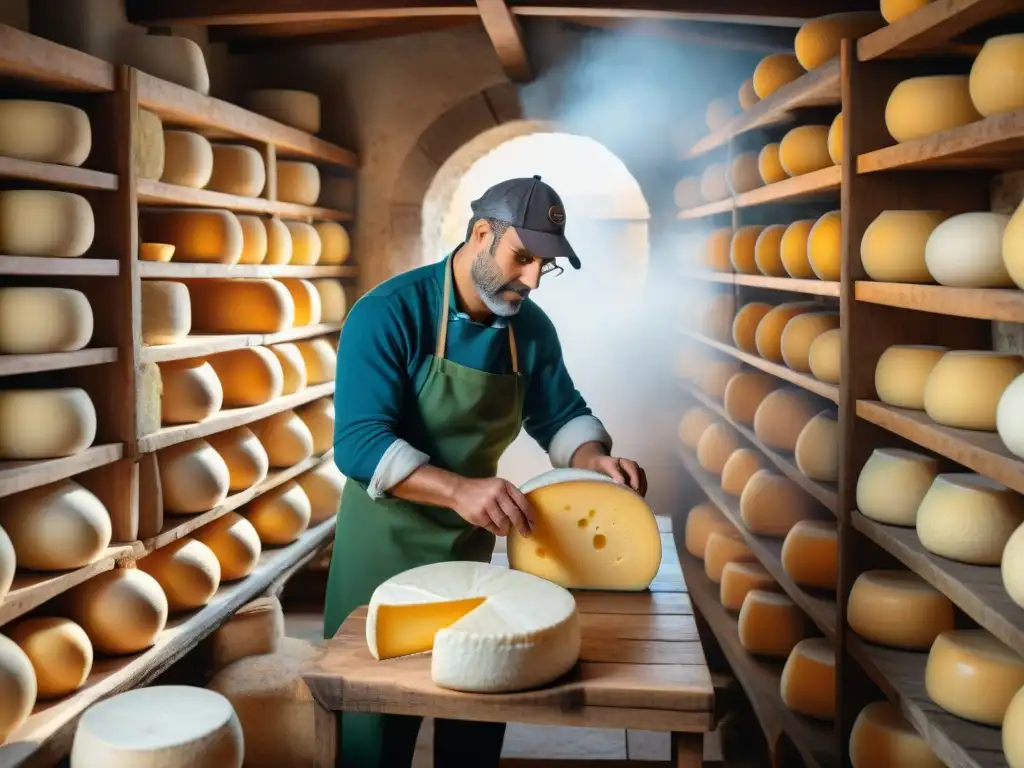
x=489 y=282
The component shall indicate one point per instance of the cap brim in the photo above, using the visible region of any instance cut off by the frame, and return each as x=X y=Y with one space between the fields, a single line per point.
x=548 y=246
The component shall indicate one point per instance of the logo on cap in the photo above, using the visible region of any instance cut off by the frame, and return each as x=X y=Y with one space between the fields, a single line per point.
x=557 y=215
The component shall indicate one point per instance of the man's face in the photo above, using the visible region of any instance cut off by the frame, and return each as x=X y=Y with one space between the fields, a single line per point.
x=505 y=272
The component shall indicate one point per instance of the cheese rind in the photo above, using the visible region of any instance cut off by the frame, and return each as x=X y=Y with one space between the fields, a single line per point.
x=42 y=320
x=166 y=312
x=693 y=424
x=898 y=609
x=741 y=249
x=744 y=394
x=17 y=687
x=724 y=547
x=714 y=376
x=279 y=242
x=193 y=476
x=808 y=684
x=747 y=97
x=168 y=57
x=188 y=159
x=804 y=149
x=818 y=40
x=254 y=239
x=894 y=10
x=123 y=610
x=768 y=251
x=333 y=303
x=299 y=109
x=739 y=468
x=781 y=417
x=775 y=71
x=966 y=251
x=41 y=222
x=894 y=246
x=249 y=376
x=716 y=250
x=306 y=299
x=44 y=131
x=336 y=245
x=186 y=570
x=771 y=504
x=306 y=244
x=743 y=173
x=293 y=367
x=920 y=106
x=883 y=738
x=902 y=371
x=319 y=417
x=986 y=375
x=297 y=182
x=244 y=455
x=191 y=391
x=744 y=325
x=768 y=164
x=973 y=675
x=199 y=235
x=1013 y=728
x=237 y=170
x=824 y=358
x=281 y=514
x=810 y=554
x=824 y=246
x=739 y=579
x=769 y=331
x=817 y=448
x=701 y=522
x=770 y=624
x=994 y=83
x=240 y=305
x=148 y=139
x=892 y=484
x=45 y=423
x=320 y=359
x=8 y=566
x=235 y=543
x=60 y=652
x=835 y=140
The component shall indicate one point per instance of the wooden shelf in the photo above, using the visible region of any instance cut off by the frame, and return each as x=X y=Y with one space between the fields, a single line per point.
x=16 y=476
x=157 y=193
x=12 y=365
x=44 y=63
x=200 y=346
x=815 y=184
x=48 y=732
x=39 y=265
x=981 y=303
x=171 y=270
x=708 y=209
x=56 y=175
x=791 y=284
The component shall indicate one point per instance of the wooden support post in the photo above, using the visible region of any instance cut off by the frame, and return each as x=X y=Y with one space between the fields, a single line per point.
x=687 y=750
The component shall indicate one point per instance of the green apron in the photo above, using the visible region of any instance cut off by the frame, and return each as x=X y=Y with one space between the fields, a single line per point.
x=470 y=417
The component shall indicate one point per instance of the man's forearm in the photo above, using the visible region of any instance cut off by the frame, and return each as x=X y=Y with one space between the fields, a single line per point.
x=584 y=456
x=428 y=485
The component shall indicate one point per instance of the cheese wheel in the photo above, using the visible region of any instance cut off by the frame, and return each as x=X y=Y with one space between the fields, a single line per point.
x=297 y=182
x=768 y=251
x=898 y=609
x=299 y=109
x=333 y=303
x=744 y=394
x=738 y=469
x=835 y=140
x=190 y=391
x=335 y=244
x=771 y=504
x=235 y=543
x=717 y=316
x=770 y=624
x=166 y=312
x=739 y=579
x=985 y=375
x=250 y=376
x=686 y=192
x=237 y=170
x=255 y=629
x=883 y=738
x=292 y=366
x=286 y=438
x=42 y=222
x=769 y=165
x=894 y=10
x=123 y=610
x=244 y=455
x=973 y=675
x=741 y=249
x=723 y=547
x=254 y=239
x=817 y=449
x=199 y=235
x=804 y=149
x=995 y=80
x=45 y=423
x=824 y=358
x=775 y=71
x=719 y=111
x=148 y=145
x=902 y=372
x=40 y=320
x=716 y=446
x=7 y=564
x=893 y=247
x=921 y=106
x=320 y=359
x=1013 y=253
x=747 y=96
x=966 y=251
x=769 y=331
x=188 y=159
x=60 y=653
x=279 y=242
x=701 y=522
x=1013 y=727
x=743 y=173
x=800 y=332
x=781 y=417
x=44 y=132
x=281 y=514
x=17 y=687
x=168 y=57
x=810 y=554
x=319 y=417
x=324 y=486
x=240 y=305
x=969 y=518
x=692 y=426
x=818 y=40
x=306 y=245
x=306 y=299
x=793 y=249
x=716 y=250
x=186 y=570
x=808 y=684
x=892 y=484
x=825 y=246
x=56 y=527
x=713 y=377
x=193 y=476
x=714 y=184
x=744 y=325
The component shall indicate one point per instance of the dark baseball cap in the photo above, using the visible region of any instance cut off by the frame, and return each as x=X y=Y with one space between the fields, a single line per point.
x=536 y=212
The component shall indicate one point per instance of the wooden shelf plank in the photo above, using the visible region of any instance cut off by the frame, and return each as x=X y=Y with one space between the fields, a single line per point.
x=27 y=57
x=54 y=267
x=56 y=175
x=791 y=284
x=157 y=193
x=813 y=184
x=199 y=346
x=982 y=452
x=169 y=270
x=11 y=365
x=17 y=476
x=828 y=391
x=982 y=303
x=708 y=209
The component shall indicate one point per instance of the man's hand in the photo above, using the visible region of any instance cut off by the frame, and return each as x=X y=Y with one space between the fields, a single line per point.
x=594 y=457
x=493 y=503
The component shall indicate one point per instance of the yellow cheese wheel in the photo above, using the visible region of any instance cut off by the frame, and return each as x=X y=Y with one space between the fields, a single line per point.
x=701 y=522
x=168 y=57
x=738 y=469
x=781 y=417
x=745 y=392
x=893 y=247
x=883 y=738
x=825 y=246
x=747 y=96
x=186 y=570
x=333 y=303
x=324 y=486
x=713 y=377
x=800 y=332
x=60 y=652
x=336 y=246
x=306 y=299
x=769 y=165
x=898 y=609
x=306 y=245
x=1013 y=253
x=148 y=139
x=985 y=375
x=193 y=477
x=892 y=484
x=770 y=624
x=42 y=222
x=719 y=111
x=686 y=192
x=744 y=325
x=966 y=251
x=995 y=80
x=817 y=448
x=188 y=159
x=724 y=547
x=810 y=554
x=739 y=579
x=237 y=170
x=320 y=358
x=835 y=140
x=818 y=40
x=200 y=235
x=44 y=131
x=297 y=182
x=771 y=504
x=292 y=366
x=894 y=10
x=1013 y=728
x=299 y=109
x=805 y=149
x=285 y=437
x=769 y=331
x=7 y=564
x=235 y=543
x=808 y=684
x=123 y=611
x=17 y=687
x=743 y=173
x=279 y=242
x=45 y=423
x=166 y=312
x=714 y=185
x=249 y=376
x=716 y=446
x=254 y=239
x=741 y=249
x=190 y=391
x=824 y=356
x=319 y=417
x=775 y=71
x=38 y=320
x=902 y=371
x=973 y=675
x=240 y=305
x=716 y=250
x=768 y=251
x=921 y=106
x=281 y=514
x=693 y=424
x=253 y=630
x=244 y=455
x=793 y=249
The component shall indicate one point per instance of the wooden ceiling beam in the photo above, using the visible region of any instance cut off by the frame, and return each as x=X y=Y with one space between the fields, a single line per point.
x=763 y=40
x=507 y=39
x=261 y=38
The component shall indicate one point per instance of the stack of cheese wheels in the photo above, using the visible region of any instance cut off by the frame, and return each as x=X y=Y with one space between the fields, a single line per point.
x=18 y=687
x=1013 y=254
x=920 y=106
x=308 y=309
x=714 y=376
x=38 y=320
x=8 y=564
x=234 y=542
x=693 y=424
x=701 y=522
x=808 y=684
x=835 y=140
x=281 y=514
x=770 y=624
x=898 y=609
x=893 y=248
x=186 y=570
x=724 y=547
x=739 y=579
x=38 y=222
x=771 y=504
x=324 y=486
x=45 y=423
x=123 y=611
x=747 y=96
x=985 y=375
x=279 y=242
x=973 y=675
x=810 y=554
x=883 y=738
x=892 y=484
x=333 y=302
x=193 y=476
x=255 y=241
x=60 y=651
x=1013 y=722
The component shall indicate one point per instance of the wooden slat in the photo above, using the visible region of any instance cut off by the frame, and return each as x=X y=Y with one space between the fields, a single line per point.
x=11 y=365
x=171 y=270
x=665 y=627
x=708 y=209
x=981 y=303
x=639 y=604
x=200 y=346
x=27 y=57
x=17 y=476
x=814 y=184
x=506 y=37
x=790 y=284
x=56 y=267
x=56 y=175
x=153 y=192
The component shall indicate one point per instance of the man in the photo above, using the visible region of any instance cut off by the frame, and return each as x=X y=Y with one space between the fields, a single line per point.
x=438 y=369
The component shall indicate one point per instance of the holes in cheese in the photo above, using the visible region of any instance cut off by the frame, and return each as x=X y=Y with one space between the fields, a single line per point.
x=804 y=149
x=817 y=448
x=986 y=375
x=279 y=242
x=714 y=185
x=701 y=522
x=336 y=246
x=771 y=504
x=747 y=96
x=1013 y=731
x=744 y=325
x=254 y=239
x=824 y=358
x=793 y=249
x=743 y=173
x=713 y=377
x=297 y=182
x=590 y=533
x=770 y=624
x=7 y=563
x=299 y=109
x=17 y=687
x=240 y=305
x=285 y=437
x=306 y=298
x=235 y=543
x=920 y=106
x=993 y=85
x=122 y=610
x=810 y=554
x=902 y=371
x=237 y=170
x=775 y=71
x=883 y=738
x=45 y=423
x=716 y=446
x=745 y=392
x=716 y=250
x=193 y=477
x=892 y=484
x=968 y=517
x=188 y=159
x=768 y=253
x=306 y=245
x=44 y=131
x=56 y=527
x=717 y=315
x=292 y=366
x=60 y=653
x=333 y=303
x=835 y=140
x=894 y=10
x=769 y=165
x=808 y=684
x=148 y=137
x=249 y=376
x=724 y=547
x=319 y=417
x=41 y=222
x=186 y=570
x=320 y=359
x=769 y=331
x=244 y=456
x=973 y=675
x=199 y=235
x=741 y=249
x=693 y=424
x=817 y=41
x=719 y=111
x=824 y=246
x=280 y=515
x=739 y=468
x=800 y=332
x=190 y=391
x=324 y=486
x=966 y=251
x=255 y=629
x=898 y=609
x=781 y=417
x=739 y=579
x=893 y=247
x=40 y=320
x=168 y=57
x=166 y=312
x=1012 y=566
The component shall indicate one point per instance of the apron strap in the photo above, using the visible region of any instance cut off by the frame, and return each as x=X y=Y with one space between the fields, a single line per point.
x=513 y=349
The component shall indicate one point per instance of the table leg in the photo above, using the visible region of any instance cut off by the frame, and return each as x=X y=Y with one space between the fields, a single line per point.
x=325 y=729
x=687 y=750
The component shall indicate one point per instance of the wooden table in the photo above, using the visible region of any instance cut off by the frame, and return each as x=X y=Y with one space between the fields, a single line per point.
x=641 y=667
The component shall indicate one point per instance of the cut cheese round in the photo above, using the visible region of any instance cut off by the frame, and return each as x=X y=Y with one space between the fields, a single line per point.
x=769 y=331
x=969 y=518
x=713 y=377
x=240 y=305
x=60 y=652
x=193 y=476
x=898 y=609
x=973 y=675
x=255 y=629
x=995 y=80
x=772 y=504
x=235 y=543
x=244 y=455
x=902 y=371
x=804 y=149
x=319 y=417
x=723 y=547
x=168 y=57
x=286 y=438
x=817 y=448
x=173 y=726
x=775 y=71
x=123 y=610
x=744 y=325
x=800 y=332
x=781 y=417
x=249 y=376
x=45 y=423
x=188 y=159
x=818 y=40
x=237 y=170
x=716 y=446
x=921 y=106
x=159 y=252
x=808 y=684
x=793 y=249
x=320 y=358
x=835 y=140
x=8 y=564
x=279 y=242
x=17 y=687
x=716 y=250
x=719 y=111
x=299 y=109
x=745 y=392
x=56 y=527
x=324 y=486
x=825 y=246
x=747 y=97
x=985 y=375
x=739 y=468
x=892 y=484
x=1013 y=728
x=883 y=738
x=894 y=10
x=768 y=251
x=769 y=165
x=148 y=144
x=966 y=251
x=297 y=182
x=293 y=367
x=714 y=184
x=190 y=391
x=824 y=358
x=199 y=235
x=693 y=424
x=44 y=132
x=741 y=249
x=306 y=244
x=166 y=312
x=42 y=222
x=770 y=624
x=490 y=629
x=739 y=579
x=894 y=246
x=254 y=239
x=336 y=246
x=186 y=570
x=280 y=515
x=306 y=298
x=40 y=320
x=333 y=303
x=810 y=554
x=701 y=522
x=743 y=173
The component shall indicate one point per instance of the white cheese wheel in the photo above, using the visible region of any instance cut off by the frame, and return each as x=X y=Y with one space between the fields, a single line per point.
x=299 y=109
x=324 y=486
x=723 y=547
x=744 y=394
x=719 y=111
x=254 y=239
x=193 y=476
x=123 y=610
x=297 y=182
x=739 y=579
x=995 y=80
x=810 y=554
x=44 y=132
x=808 y=684
x=306 y=246
x=893 y=248
x=768 y=164
x=894 y=10
x=60 y=652
x=321 y=360
x=902 y=371
x=824 y=358
x=825 y=246
x=336 y=246
x=966 y=251
x=800 y=332
x=17 y=687
x=1012 y=566
x=281 y=514
x=255 y=629
x=166 y=312
x=804 y=149
x=747 y=97
x=237 y=170
x=8 y=565
x=42 y=222
x=716 y=446
x=973 y=675
x=892 y=484
x=744 y=325
x=985 y=375
x=235 y=543
x=835 y=140
x=187 y=571
x=714 y=183
x=306 y=298
x=40 y=320
x=188 y=159
x=170 y=726
x=817 y=448
x=714 y=376
x=883 y=738
x=818 y=40
x=738 y=469
x=969 y=518
x=244 y=455
x=793 y=249
x=781 y=417
x=56 y=527
x=45 y=423
x=292 y=366
x=148 y=138
x=921 y=106
x=898 y=609
x=742 y=255
x=249 y=376
x=240 y=305
x=1008 y=425
x=768 y=251
x=1013 y=729
x=769 y=331
x=168 y=57
x=190 y=391
x=333 y=303
x=770 y=624
x=199 y=235
x=279 y=242
x=286 y=438
x=701 y=522
x=775 y=71
x=319 y=417
x=693 y=424
x=716 y=250
x=743 y=173
x=771 y=504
